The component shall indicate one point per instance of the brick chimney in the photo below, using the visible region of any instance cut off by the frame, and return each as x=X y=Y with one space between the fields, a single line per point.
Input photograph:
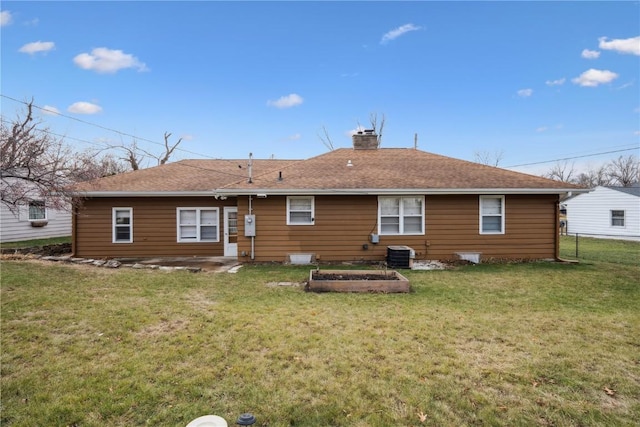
x=365 y=140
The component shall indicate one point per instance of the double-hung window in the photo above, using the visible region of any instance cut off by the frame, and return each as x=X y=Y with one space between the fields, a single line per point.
x=122 y=225
x=300 y=210
x=491 y=214
x=37 y=210
x=617 y=218
x=401 y=215
x=198 y=225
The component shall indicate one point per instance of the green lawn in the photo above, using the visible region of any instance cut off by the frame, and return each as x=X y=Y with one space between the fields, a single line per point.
x=510 y=344
x=607 y=250
x=36 y=242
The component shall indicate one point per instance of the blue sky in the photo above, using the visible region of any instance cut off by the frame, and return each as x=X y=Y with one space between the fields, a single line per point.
x=535 y=81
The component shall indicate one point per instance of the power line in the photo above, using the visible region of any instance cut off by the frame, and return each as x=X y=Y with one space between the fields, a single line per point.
x=49 y=132
x=106 y=146
x=110 y=146
x=213 y=158
x=104 y=127
x=572 y=158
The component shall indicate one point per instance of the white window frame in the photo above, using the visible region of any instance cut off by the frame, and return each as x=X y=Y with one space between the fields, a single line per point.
x=483 y=215
x=401 y=216
x=114 y=224
x=44 y=209
x=617 y=218
x=198 y=238
x=312 y=211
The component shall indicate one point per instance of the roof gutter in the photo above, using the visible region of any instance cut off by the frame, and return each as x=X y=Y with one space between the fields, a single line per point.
x=207 y=193
x=330 y=191
x=394 y=191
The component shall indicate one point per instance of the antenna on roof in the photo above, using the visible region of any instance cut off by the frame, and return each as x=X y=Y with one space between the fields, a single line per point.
x=250 y=168
x=415 y=141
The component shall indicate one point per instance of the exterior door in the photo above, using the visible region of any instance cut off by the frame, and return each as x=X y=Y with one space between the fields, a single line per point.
x=231 y=231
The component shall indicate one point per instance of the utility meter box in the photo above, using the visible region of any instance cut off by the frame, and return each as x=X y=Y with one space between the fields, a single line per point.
x=249 y=225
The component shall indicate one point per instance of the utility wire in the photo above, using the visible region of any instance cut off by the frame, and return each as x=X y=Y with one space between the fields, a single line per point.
x=213 y=158
x=106 y=146
x=572 y=158
x=49 y=132
x=104 y=127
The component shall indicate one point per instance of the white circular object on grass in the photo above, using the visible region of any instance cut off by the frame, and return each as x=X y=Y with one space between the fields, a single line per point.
x=208 y=421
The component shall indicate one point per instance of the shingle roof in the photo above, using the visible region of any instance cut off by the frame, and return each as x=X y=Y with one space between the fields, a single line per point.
x=634 y=189
x=182 y=176
x=394 y=168
x=381 y=169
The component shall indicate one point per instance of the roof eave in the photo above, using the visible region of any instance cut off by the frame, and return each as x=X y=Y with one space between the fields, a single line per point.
x=207 y=193
x=396 y=191
x=329 y=191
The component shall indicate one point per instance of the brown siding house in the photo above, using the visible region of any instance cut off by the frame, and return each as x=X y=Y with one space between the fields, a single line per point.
x=345 y=205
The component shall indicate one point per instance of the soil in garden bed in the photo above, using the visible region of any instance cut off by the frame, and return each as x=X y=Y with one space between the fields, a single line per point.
x=359 y=276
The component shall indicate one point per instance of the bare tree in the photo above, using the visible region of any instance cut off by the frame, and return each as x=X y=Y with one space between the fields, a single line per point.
x=168 y=149
x=33 y=164
x=326 y=139
x=625 y=171
x=487 y=158
x=134 y=156
x=91 y=165
x=561 y=171
x=378 y=127
x=594 y=177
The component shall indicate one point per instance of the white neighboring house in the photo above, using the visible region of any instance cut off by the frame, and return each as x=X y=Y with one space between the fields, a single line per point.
x=34 y=220
x=606 y=212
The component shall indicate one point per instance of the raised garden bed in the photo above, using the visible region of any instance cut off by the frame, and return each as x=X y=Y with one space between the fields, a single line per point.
x=357 y=281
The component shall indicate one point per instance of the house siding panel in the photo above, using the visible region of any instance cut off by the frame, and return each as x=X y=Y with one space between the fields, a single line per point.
x=343 y=225
x=590 y=214
x=17 y=227
x=154 y=228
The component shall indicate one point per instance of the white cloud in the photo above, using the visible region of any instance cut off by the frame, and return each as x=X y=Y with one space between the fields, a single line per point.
x=103 y=60
x=352 y=132
x=288 y=101
x=525 y=93
x=84 y=108
x=397 y=32
x=590 y=54
x=50 y=111
x=35 y=47
x=558 y=82
x=5 y=18
x=626 y=85
x=593 y=77
x=637 y=132
x=294 y=137
x=630 y=46
x=547 y=128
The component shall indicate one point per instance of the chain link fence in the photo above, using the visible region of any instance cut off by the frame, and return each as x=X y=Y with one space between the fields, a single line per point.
x=601 y=247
